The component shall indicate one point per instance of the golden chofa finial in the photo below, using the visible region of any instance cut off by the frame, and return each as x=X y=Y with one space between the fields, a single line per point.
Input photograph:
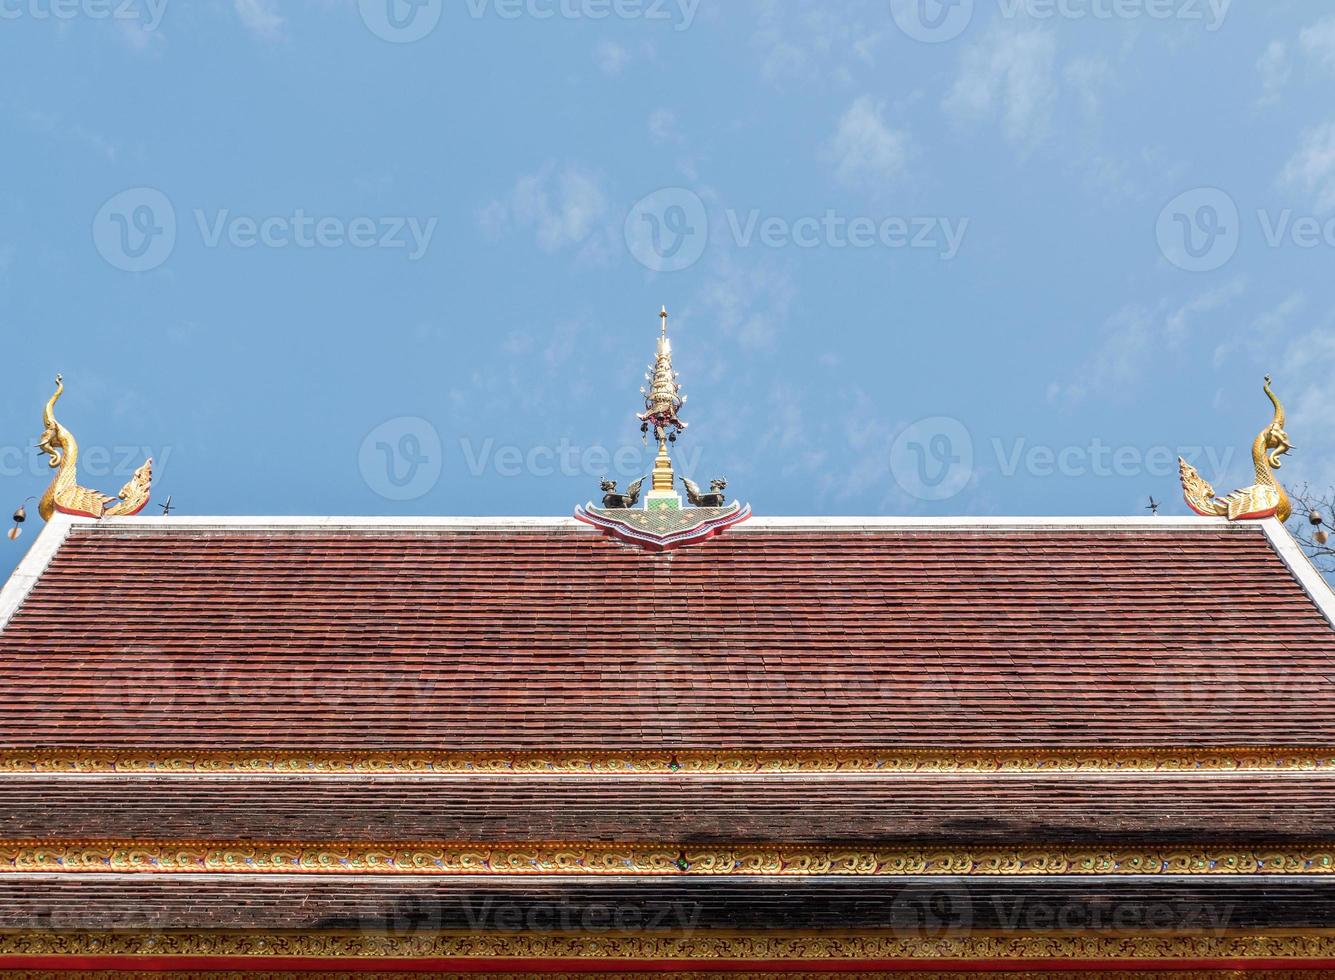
x=662 y=401
x=64 y=495
x=1265 y=497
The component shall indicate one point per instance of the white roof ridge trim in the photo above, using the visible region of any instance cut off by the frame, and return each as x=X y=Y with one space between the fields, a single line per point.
x=34 y=563
x=851 y=522
x=1312 y=582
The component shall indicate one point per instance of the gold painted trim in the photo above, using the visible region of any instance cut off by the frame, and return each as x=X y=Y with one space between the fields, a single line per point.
x=701 y=946
x=683 y=975
x=686 y=763
x=159 y=857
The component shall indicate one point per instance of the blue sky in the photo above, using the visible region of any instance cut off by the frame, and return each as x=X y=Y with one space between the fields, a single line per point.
x=1000 y=257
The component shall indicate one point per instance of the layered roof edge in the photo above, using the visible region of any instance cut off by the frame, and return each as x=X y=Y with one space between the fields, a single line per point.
x=53 y=535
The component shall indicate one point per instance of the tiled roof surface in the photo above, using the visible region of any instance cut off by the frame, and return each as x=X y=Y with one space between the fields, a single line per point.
x=412 y=906
x=160 y=637
x=1112 y=809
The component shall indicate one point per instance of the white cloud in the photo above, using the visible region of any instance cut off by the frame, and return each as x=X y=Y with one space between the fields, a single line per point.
x=1012 y=72
x=865 y=150
x=1268 y=328
x=564 y=207
x=747 y=301
x=1273 y=67
x=663 y=126
x=1135 y=335
x=57 y=126
x=611 y=57
x=1318 y=42
x=802 y=41
x=260 y=18
x=140 y=38
x=1086 y=77
x=1312 y=168
x=1310 y=399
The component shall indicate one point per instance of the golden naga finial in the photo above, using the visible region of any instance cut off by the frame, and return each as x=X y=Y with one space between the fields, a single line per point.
x=662 y=400
x=64 y=495
x=1265 y=497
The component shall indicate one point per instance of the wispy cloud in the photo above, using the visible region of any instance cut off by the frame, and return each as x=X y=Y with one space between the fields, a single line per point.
x=1318 y=42
x=1273 y=67
x=747 y=299
x=1312 y=168
x=58 y=127
x=260 y=18
x=1008 y=73
x=663 y=127
x=800 y=41
x=611 y=57
x=563 y=207
x=1134 y=335
x=1270 y=327
x=865 y=150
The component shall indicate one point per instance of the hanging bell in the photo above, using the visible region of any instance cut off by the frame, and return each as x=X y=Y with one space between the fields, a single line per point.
x=20 y=515
x=1314 y=518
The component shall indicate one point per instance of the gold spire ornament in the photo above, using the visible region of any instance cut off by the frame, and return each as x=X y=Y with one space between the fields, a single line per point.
x=1265 y=497
x=662 y=401
x=64 y=495
x=663 y=522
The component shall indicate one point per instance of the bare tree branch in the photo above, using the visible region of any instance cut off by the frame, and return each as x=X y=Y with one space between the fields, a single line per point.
x=1313 y=524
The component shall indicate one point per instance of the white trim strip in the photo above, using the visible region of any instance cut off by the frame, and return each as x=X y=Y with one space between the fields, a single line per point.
x=851 y=523
x=1312 y=582
x=34 y=563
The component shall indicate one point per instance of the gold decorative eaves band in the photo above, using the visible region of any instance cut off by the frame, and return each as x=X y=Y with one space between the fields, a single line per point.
x=703 y=946
x=151 y=857
x=688 y=763
x=688 y=973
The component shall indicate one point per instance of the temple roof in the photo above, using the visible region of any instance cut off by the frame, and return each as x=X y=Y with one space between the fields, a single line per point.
x=391 y=737
x=542 y=635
